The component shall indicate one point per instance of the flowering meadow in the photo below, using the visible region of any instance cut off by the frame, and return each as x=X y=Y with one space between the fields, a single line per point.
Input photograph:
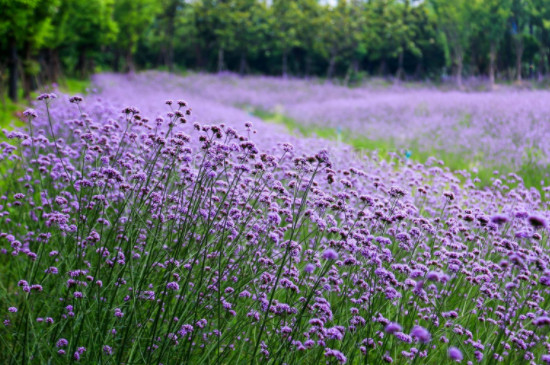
x=140 y=229
x=506 y=127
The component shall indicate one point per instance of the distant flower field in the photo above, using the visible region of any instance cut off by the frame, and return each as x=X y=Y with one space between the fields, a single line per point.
x=136 y=228
x=507 y=128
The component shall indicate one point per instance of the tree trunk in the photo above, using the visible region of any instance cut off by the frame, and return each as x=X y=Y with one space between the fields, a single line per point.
x=542 y=66
x=352 y=70
x=355 y=65
x=459 y=66
x=12 y=69
x=519 y=55
x=242 y=64
x=27 y=73
x=418 y=69
x=220 y=59
x=43 y=76
x=331 y=66
x=307 y=69
x=82 y=60
x=116 y=61
x=55 y=65
x=199 y=61
x=130 y=67
x=383 y=66
x=2 y=84
x=162 y=57
x=492 y=59
x=170 y=56
x=347 y=78
x=285 y=63
x=399 y=73
x=170 y=14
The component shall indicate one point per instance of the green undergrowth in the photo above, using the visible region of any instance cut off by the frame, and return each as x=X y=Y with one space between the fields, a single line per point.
x=11 y=112
x=74 y=86
x=387 y=149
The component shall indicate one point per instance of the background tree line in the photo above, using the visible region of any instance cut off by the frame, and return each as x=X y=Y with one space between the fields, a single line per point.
x=40 y=40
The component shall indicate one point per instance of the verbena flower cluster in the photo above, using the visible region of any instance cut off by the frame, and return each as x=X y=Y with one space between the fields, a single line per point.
x=501 y=128
x=152 y=238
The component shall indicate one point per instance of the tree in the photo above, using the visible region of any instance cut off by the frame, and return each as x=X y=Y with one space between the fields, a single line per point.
x=213 y=23
x=518 y=23
x=454 y=20
x=249 y=23
x=404 y=33
x=540 y=18
x=379 y=39
x=427 y=50
x=286 y=17
x=24 y=25
x=309 y=29
x=490 y=18
x=167 y=28
x=341 y=34
x=133 y=17
x=82 y=28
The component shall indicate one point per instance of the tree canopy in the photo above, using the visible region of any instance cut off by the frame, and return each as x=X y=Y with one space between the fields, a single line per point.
x=498 y=39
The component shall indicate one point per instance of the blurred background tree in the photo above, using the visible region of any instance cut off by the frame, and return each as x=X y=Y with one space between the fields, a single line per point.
x=42 y=41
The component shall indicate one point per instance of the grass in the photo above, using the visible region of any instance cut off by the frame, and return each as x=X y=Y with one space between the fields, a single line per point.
x=8 y=113
x=74 y=86
x=531 y=174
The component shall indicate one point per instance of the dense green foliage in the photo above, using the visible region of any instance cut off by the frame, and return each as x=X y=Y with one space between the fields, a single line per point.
x=435 y=39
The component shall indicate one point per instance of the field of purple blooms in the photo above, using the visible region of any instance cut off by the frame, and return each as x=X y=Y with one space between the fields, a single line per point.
x=167 y=235
x=504 y=128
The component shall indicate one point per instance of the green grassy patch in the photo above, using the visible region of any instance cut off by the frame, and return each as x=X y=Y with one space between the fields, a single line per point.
x=9 y=112
x=74 y=86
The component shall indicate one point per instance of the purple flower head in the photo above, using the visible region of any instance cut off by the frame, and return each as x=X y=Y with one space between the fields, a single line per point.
x=393 y=327
x=330 y=254
x=173 y=286
x=12 y=309
x=309 y=268
x=62 y=342
x=75 y=99
x=397 y=192
x=542 y=321
x=30 y=113
x=422 y=334
x=478 y=355
x=78 y=353
x=537 y=221
x=403 y=337
x=510 y=285
x=455 y=354
x=499 y=219
x=432 y=276
x=340 y=357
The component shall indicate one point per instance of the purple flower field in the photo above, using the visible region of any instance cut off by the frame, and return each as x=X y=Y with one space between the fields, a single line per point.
x=503 y=128
x=136 y=230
